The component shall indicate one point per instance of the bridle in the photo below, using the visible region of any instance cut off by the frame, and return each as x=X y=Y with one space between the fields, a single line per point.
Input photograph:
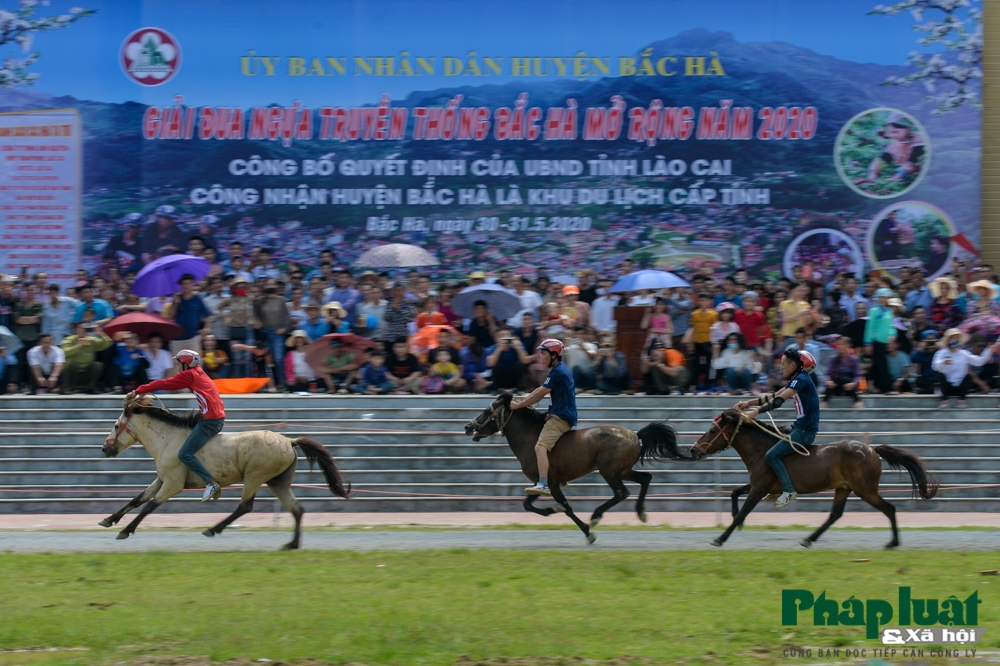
x=722 y=431
x=121 y=426
x=496 y=415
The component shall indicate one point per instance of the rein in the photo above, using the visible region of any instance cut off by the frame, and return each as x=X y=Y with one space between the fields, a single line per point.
x=798 y=448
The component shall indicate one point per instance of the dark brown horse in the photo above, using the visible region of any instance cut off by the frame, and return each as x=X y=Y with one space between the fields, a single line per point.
x=843 y=467
x=610 y=450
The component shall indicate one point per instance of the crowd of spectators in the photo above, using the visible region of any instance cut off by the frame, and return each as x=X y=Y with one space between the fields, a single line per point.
x=251 y=317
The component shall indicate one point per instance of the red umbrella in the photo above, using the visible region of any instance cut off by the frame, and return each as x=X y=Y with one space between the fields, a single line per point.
x=144 y=323
x=318 y=350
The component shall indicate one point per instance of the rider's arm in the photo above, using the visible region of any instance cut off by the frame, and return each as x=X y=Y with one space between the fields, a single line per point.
x=178 y=381
x=532 y=398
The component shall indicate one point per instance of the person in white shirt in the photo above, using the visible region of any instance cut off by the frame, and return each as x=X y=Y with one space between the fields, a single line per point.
x=602 y=310
x=953 y=363
x=46 y=362
x=161 y=363
x=530 y=302
x=57 y=314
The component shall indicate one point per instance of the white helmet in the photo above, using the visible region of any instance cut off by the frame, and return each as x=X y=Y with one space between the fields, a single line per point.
x=188 y=357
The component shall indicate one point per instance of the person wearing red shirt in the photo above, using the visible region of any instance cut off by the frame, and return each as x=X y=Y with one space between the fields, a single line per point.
x=194 y=378
x=753 y=325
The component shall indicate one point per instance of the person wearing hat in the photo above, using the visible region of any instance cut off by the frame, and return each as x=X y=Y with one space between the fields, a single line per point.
x=477 y=278
x=163 y=237
x=926 y=378
x=944 y=312
x=901 y=324
x=335 y=315
x=953 y=363
x=984 y=300
x=339 y=368
x=124 y=250
x=315 y=326
x=298 y=373
x=879 y=329
x=210 y=404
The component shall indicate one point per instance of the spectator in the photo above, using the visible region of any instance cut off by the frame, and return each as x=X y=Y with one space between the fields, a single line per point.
x=573 y=310
x=718 y=333
x=373 y=378
x=612 y=372
x=901 y=324
x=213 y=301
x=57 y=314
x=795 y=313
x=656 y=322
x=530 y=300
x=237 y=270
x=272 y=322
x=214 y=361
x=130 y=364
x=737 y=365
x=265 y=268
x=237 y=313
x=843 y=374
x=483 y=327
x=344 y=291
x=474 y=369
x=527 y=334
x=447 y=372
x=399 y=314
x=45 y=362
x=314 y=326
x=261 y=361
x=7 y=301
x=953 y=363
x=82 y=368
x=850 y=298
x=507 y=358
x=299 y=375
x=404 y=369
x=477 y=278
x=919 y=295
x=587 y=282
x=335 y=317
x=447 y=293
x=370 y=314
x=878 y=331
x=161 y=364
x=899 y=368
x=985 y=376
x=855 y=330
x=602 y=309
x=679 y=306
x=729 y=293
x=448 y=344
x=27 y=328
x=663 y=370
x=804 y=342
x=296 y=307
x=339 y=368
x=429 y=313
x=191 y=314
x=699 y=341
x=927 y=378
x=102 y=309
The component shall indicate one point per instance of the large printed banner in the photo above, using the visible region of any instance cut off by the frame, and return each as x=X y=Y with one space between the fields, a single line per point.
x=562 y=136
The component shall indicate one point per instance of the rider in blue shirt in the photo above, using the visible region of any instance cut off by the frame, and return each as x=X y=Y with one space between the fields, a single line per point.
x=795 y=365
x=561 y=417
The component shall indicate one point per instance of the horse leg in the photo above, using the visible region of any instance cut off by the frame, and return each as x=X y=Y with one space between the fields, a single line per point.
x=281 y=486
x=735 y=497
x=529 y=505
x=165 y=493
x=840 y=496
x=244 y=507
x=643 y=479
x=621 y=494
x=753 y=498
x=138 y=500
x=557 y=495
x=877 y=501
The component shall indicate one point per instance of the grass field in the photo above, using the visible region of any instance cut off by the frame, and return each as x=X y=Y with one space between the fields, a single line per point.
x=437 y=607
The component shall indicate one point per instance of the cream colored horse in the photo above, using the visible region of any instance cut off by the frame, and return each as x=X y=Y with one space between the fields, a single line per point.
x=254 y=458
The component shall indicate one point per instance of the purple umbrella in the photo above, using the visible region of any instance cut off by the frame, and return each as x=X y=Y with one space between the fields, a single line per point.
x=161 y=277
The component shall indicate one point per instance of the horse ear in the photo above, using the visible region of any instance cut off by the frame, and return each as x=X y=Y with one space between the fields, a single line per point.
x=506 y=396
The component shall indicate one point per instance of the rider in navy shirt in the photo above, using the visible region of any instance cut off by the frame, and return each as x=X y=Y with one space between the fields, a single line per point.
x=561 y=417
x=801 y=389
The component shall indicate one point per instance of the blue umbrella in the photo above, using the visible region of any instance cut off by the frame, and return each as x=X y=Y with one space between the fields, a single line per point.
x=648 y=280
x=9 y=340
x=500 y=301
x=396 y=255
x=161 y=277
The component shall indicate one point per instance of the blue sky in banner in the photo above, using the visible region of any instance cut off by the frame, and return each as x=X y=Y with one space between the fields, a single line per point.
x=82 y=60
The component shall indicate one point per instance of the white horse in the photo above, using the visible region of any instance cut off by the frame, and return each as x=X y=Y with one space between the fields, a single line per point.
x=255 y=458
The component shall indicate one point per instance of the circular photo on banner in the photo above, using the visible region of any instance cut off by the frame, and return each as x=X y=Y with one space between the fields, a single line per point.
x=912 y=234
x=829 y=250
x=882 y=153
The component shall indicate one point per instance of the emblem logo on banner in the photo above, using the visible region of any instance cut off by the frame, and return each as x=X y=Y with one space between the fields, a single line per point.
x=150 y=56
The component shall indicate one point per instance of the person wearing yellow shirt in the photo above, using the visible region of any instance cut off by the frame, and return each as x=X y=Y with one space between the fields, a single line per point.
x=794 y=313
x=699 y=339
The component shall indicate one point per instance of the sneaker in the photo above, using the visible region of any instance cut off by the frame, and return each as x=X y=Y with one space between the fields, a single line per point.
x=945 y=404
x=963 y=404
x=342 y=391
x=785 y=500
x=210 y=490
x=538 y=489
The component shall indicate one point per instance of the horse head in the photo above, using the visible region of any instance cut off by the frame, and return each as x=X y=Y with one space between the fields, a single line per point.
x=493 y=418
x=113 y=444
x=720 y=436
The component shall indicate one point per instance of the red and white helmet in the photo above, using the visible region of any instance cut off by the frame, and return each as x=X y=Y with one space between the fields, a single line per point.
x=188 y=357
x=552 y=346
x=808 y=361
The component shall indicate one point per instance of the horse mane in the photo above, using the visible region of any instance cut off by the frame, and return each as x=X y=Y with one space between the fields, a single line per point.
x=170 y=418
x=757 y=435
x=532 y=415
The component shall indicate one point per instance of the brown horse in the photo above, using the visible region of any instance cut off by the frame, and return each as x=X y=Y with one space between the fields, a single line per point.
x=610 y=450
x=253 y=458
x=843 y=467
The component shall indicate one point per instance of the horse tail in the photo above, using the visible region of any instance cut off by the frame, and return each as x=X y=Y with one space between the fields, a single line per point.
x=924 y=482
x=317 y=453
x=658 y=441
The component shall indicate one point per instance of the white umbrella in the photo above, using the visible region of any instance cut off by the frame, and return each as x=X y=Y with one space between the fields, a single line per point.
x=502 y=302
x=396 y=255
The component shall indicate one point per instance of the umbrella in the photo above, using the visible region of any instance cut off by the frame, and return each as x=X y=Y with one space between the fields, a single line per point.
x=502 y=302
x=648 y=280
x=237 y=386
x=566 y=279
x=9 y=340
x=144 y=323
x=160 y=277
x=396 y=255
x=428 y=336
x=318 y=350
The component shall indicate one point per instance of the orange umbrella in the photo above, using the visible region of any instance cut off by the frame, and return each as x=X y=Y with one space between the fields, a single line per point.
x=245 y=385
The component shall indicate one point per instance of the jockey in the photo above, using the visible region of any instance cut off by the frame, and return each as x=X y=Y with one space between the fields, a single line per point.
x=561 y=417
x=795 y=365
x=193 y=377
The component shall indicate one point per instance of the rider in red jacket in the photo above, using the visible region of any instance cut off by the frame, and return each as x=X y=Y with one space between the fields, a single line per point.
x=193 y=377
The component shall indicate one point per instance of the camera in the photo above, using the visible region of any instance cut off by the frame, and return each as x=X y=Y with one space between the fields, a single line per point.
x=508 y=340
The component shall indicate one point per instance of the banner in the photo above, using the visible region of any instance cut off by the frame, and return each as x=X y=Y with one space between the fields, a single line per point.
x=723 y=135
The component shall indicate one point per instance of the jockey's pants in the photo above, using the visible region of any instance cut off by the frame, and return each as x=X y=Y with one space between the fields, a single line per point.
x=781 y=449
x=204 y=431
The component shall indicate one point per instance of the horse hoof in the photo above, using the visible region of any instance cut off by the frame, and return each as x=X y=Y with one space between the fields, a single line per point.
x=122 y=535
x=594 y=522
x=591 y=537
x=717 y=543
x=290 y=546
x=891 y=545
x=105 y=523
x=806 y=543
x=643 y=517
x=209 y=532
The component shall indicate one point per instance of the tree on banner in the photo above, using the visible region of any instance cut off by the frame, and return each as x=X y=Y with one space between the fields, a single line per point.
x=18 y=27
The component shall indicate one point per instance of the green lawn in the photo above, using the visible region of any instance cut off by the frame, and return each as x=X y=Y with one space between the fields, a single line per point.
x=437 y=607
